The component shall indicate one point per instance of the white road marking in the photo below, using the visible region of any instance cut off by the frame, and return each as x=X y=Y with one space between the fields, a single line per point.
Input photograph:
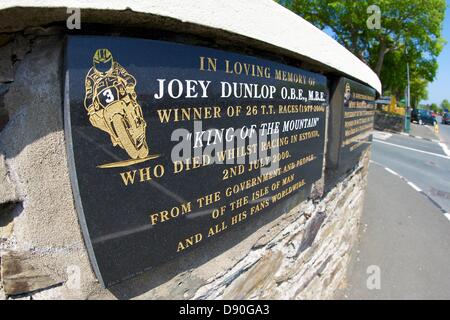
x=382 y=135
x=391 y=171
x=412 y=149
x=377 y=163
x=414 y=186
x=445 y=148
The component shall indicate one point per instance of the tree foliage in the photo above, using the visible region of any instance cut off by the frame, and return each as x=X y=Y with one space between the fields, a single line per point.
x=410 y=33
x=445 y=105
x=434 y=107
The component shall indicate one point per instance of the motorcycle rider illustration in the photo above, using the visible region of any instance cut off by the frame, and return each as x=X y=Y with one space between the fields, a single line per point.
x=112 y=106
x=347 y=95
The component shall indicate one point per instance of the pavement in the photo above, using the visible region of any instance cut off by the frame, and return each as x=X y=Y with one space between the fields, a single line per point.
x=423 y=131
x=404 y=239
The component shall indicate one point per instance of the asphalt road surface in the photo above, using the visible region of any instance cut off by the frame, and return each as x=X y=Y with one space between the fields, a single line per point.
x=403 y=250
x=445 y=133
x=422 y=163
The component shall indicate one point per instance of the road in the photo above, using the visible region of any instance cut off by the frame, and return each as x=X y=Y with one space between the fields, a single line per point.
x=423 y=163
x=404 y=239
x=445 y=133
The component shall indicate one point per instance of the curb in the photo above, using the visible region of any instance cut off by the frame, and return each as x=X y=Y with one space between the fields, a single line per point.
x=419 y=137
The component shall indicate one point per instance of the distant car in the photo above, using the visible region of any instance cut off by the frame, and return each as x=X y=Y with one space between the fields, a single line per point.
x=423 y=116
x=446 y=118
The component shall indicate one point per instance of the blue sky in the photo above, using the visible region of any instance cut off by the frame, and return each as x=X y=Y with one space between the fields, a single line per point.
x=439 y=89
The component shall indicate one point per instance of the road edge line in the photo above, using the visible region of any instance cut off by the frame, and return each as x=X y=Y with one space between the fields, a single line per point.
x=415 y=187
x=444 y=148
x=444 y=156
x=412 y=185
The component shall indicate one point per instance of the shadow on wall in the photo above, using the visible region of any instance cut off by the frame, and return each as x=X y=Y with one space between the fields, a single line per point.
x=29 y=92
x=31 y=95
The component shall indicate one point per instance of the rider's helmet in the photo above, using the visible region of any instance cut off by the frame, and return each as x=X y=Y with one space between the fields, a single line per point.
x=103 y=61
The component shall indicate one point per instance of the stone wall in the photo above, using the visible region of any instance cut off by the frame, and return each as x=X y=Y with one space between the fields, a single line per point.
x=389 y=122
x=40 y=235
x=301 y=255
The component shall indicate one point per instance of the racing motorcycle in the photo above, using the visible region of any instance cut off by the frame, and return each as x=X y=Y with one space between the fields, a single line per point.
x=122 y=116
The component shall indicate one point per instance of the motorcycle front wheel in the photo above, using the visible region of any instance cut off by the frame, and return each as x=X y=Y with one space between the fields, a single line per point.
x=124 y=137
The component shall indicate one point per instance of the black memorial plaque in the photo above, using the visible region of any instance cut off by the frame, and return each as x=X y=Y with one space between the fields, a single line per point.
x=352 y=108
x=139 y=205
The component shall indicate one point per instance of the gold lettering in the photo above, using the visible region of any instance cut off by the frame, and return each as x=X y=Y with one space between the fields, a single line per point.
x=188 y=242
x=128 y=177
x=173 y=213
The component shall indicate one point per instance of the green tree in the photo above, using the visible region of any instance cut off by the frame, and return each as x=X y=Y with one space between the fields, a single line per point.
x=417 y=23
x=434 y=107
x=445 y=105
x=410 y=33
x=418 y=91
x=394 y=78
